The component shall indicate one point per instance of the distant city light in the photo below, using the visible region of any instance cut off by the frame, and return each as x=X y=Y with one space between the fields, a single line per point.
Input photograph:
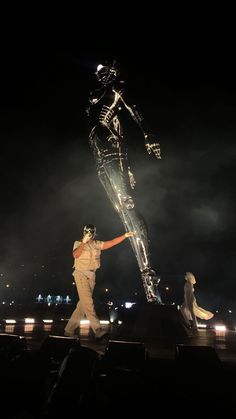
x=53 y=299
x=129 y=305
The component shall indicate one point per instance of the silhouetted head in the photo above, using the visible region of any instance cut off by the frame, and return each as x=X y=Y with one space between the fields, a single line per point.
x=107 y=73
x=190 y=278
x=90 y=229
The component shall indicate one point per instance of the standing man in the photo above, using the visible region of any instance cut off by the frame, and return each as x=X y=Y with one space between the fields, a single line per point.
x=86 y=253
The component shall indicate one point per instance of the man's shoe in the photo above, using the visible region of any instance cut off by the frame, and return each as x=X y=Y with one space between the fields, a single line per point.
x=151 y=280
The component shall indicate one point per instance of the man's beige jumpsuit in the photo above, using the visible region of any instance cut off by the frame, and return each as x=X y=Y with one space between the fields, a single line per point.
x=84 y=273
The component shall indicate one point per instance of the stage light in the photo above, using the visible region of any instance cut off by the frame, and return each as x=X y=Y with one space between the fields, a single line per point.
x=201 y=325
x=29 y=320
x=220 y=327
x=126 y=356
x=197 y=358
x=12 y=346
x=55 y=348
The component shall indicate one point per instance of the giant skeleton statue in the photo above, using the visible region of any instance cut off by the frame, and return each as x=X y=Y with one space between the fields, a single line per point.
x=107 y=142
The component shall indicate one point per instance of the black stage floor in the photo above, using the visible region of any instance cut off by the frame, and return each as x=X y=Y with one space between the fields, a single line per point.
x=152 y=373
x=224 y=342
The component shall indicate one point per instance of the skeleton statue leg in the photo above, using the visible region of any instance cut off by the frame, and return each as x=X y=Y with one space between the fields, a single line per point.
x=113 y=174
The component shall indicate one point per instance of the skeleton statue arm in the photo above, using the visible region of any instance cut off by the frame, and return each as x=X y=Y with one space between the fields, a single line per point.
x=151 y=142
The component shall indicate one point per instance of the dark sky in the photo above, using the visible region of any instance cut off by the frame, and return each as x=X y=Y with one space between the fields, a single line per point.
x=49 y=186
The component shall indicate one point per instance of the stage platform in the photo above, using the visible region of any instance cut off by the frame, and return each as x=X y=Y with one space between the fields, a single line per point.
x=224 y=342
x=139 y=365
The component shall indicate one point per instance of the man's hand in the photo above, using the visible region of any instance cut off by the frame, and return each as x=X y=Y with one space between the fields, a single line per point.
x=86 y=238
x=129 y=234
x=152 y=145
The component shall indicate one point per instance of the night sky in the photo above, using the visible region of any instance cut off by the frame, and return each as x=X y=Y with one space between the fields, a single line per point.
x=50 y=189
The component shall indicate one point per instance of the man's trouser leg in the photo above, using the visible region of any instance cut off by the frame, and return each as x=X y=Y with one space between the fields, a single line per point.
x=74 y=321
x=85 y=286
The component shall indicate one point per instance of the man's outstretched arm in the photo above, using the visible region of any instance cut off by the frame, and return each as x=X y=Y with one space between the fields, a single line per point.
x=110 y=243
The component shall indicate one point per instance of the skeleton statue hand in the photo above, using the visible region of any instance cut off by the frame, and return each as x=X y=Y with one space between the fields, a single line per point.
x=152 y=145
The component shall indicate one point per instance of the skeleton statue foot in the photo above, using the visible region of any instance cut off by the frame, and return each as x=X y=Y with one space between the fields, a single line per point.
x=150 y=282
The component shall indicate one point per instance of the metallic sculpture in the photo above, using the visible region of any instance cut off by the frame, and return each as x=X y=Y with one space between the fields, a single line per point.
x=107 y=142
